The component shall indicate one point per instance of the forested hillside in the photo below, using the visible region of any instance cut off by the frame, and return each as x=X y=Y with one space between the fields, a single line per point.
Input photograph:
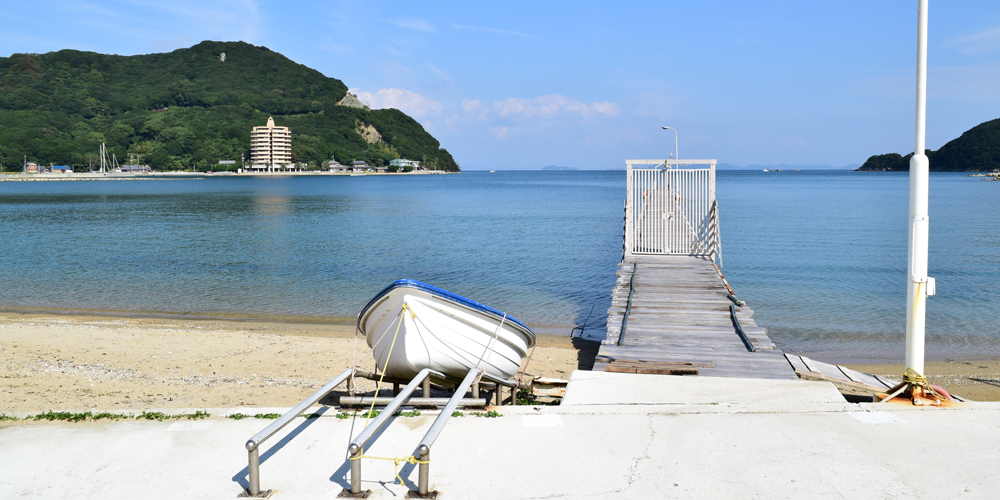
x=977 y=150
x=189 y=109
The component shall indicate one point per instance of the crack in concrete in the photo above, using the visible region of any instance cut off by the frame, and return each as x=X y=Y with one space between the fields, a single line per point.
x=634 y=469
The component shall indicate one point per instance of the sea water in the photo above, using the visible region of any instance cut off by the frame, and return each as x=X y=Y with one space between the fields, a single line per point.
x=819 y=255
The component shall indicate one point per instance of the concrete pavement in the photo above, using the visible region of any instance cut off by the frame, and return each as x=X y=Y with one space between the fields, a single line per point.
x=615 y=436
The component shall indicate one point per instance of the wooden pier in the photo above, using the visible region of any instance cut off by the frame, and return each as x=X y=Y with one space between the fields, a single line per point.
x=679 y=322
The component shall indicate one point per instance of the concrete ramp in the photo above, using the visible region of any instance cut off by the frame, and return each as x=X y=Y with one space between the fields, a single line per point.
x=602 y=388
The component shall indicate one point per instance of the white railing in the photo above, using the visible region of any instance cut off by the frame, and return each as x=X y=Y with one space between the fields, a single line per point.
x=671 y=210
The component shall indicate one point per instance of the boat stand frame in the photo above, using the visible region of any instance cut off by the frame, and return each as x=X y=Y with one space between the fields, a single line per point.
x=253 y=489
x=423 y=451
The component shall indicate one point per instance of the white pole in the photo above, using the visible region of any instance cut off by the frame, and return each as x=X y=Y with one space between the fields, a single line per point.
x=916 y=286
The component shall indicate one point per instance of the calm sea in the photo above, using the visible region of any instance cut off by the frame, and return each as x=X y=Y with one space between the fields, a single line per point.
x=820 y=256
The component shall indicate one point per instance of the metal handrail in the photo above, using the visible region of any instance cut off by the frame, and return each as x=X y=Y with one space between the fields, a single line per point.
x=739 y=329
x=424 y=448
x=628 y=305
x=359 y=442
x=260 y=437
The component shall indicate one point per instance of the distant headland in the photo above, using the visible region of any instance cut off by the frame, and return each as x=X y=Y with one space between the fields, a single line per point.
x=193 y=110
x=976 y=150
x=558 y=167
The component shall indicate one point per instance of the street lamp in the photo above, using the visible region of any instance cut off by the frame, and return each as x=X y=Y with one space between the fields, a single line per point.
x=675 y=141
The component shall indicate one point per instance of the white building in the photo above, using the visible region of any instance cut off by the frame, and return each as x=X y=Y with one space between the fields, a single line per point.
x=403 y=162
x=270 y=147
x=335 y=166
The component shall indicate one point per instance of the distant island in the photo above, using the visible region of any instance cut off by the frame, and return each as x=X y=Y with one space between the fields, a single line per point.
x=976 y=150
x=190 y=109
x=558 y=167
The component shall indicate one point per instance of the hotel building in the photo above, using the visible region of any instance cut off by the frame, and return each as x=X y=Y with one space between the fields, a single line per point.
x=270 y=147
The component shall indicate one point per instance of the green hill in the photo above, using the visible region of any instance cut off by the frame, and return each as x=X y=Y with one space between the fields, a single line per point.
x=977 y=150
x=189 y=109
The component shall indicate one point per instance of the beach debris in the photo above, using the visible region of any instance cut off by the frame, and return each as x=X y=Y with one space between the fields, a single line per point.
x=545 y=386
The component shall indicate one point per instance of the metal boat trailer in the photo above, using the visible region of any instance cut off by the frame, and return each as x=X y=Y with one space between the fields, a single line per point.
x=356 y=448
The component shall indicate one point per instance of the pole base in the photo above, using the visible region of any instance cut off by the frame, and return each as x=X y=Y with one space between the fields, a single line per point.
x=262 y=494
x=913 y=394
x=346 y=493
x=429 y=494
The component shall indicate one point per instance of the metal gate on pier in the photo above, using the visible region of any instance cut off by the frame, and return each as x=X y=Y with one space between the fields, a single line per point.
x=671 y=210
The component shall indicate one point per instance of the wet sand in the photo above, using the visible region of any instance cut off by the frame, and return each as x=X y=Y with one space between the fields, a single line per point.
x=78 y=363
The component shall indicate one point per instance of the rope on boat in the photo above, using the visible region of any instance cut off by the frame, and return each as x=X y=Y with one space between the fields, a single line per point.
x=481 y=365
x=378 y=386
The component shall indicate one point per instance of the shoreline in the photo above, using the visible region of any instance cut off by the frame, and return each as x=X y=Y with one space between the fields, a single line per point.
x=126 y=176
x=83 y=363
x=64 y=362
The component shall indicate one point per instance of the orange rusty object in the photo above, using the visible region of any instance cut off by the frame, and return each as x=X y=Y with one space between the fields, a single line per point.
x=916 y=396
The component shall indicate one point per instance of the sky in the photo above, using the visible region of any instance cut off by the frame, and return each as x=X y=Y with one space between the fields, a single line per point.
x=521 y=85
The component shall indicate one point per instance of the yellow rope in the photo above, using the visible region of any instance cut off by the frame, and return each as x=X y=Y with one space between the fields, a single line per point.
x=378 y=386
x=396 y=460
x=912 y=377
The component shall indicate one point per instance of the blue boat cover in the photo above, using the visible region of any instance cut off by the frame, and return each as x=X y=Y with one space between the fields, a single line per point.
x=458 y=299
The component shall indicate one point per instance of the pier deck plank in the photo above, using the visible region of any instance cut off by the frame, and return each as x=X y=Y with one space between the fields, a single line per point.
x=680 y=314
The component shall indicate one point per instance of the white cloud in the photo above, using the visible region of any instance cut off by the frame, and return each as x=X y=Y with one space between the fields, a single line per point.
x=552 y=105
x=492 y=30
x=406 y=101
x=977 y=42
x=440 y=73
x=500 y=132
x=415 y=24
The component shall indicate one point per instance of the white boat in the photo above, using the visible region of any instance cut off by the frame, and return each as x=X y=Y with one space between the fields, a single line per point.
x=436 y=329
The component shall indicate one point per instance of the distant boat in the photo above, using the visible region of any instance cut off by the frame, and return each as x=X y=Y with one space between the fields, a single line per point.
x=442 y=331
x=492 y=171
x=765 y=170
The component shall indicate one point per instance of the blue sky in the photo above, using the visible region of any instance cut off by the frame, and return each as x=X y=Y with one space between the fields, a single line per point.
x=588 y=84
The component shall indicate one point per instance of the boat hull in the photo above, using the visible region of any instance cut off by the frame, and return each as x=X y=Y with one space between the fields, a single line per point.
x=441 y=331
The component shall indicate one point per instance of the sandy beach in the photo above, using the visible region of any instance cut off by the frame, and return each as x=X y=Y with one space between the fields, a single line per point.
x=77 y=363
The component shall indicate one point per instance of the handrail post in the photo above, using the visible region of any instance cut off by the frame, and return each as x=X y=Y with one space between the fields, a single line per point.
x=254 y=468
x=355 y=470
x=424 y=453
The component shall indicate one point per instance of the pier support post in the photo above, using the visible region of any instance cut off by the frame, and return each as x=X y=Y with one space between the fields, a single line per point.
x=475 y=390
x=427 y=387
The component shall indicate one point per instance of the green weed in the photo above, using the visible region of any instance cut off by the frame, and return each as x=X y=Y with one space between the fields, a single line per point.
x=487 y=414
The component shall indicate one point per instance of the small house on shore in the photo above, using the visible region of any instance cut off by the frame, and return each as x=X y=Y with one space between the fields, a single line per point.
x=62 y=169
x=360 y=166
x=402 y=163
